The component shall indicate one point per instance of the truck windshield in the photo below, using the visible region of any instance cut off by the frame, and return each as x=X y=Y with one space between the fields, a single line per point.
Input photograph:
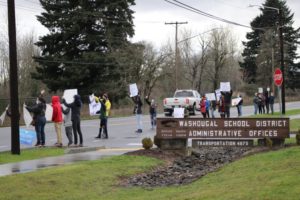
x=184 y=94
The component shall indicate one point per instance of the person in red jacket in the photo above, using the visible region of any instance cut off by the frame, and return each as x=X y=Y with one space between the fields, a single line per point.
x=57 y=119
x=203 y=106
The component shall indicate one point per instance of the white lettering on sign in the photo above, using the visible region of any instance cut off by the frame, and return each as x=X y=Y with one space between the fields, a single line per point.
x=215 y=133
x=203 y=123
x=236 y=123
x=277 y=77
x=271 y=123
x=263 y=133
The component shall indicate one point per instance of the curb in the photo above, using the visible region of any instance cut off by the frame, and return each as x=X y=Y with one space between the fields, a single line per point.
x=82 y=149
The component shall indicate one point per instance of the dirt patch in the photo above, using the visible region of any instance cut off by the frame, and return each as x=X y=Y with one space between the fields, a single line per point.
x=180 y=169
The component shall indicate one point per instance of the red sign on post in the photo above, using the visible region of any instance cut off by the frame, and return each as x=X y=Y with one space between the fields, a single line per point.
x=278 y=79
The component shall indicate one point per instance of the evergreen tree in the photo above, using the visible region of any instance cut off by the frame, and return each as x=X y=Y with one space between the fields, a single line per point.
x=77 y=52
x=256 y=47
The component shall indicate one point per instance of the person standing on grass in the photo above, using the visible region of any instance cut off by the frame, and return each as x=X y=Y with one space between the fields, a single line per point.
x=75 y=117
x=138 y=112
x=39 y=121
x=227 y=101
x=57 y=119
x=271 y=102
x=152 y=111
x=68 y=124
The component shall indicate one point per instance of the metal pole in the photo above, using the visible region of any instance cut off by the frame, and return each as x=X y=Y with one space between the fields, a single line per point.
x=282 y=62
x=13 y=76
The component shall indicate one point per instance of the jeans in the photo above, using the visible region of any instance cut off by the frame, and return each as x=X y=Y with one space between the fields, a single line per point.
x=40 y=130
x=68 y=130
x=227 y=111
x=239 y=109
x=77 y=130
x=255 y=108
x=139 y=121
x=153 y=119
x=272 y=108
x=103 y=125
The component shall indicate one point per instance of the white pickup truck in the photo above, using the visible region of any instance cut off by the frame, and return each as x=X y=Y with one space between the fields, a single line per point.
x=189 y=99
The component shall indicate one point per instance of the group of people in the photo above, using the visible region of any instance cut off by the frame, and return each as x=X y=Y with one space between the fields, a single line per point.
x=208 y=108
x=71 y=120
x=264 y=103
x=138 y=111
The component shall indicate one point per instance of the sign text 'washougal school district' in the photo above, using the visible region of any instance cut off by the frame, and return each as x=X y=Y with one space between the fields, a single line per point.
x=236 y=128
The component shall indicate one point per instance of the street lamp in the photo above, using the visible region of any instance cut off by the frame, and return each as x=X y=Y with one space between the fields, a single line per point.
x=279 y=11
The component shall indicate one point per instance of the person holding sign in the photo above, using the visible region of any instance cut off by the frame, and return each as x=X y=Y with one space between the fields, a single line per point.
x=103 y=120
x=39 y=120
x=138 y=112
x=227 y=102
x=239 y=106
x=68 y=124
x=75 y=117
x=57 y=119
x=152 y=111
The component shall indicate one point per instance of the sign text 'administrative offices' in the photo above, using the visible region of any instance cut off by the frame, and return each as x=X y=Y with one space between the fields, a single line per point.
x=236 y=128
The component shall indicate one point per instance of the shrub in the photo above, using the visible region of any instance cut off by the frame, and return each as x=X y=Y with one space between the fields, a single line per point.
x=147 y=143
x=269 y=142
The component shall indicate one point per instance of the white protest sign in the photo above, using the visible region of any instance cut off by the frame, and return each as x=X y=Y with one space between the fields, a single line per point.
x=236 y=101
x=49 y=112
x=210 y=96
x=27 y=116
x=260 y=90
x=69 y=95
x=94 y=108
x=133 y=90
x=218 y=94
x=2 y=117
x=178 y=112
x=92 y=98
x=225 y=87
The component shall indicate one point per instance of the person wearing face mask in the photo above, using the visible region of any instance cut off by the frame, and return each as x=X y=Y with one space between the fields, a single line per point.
x=152 y=111
x=39 y=120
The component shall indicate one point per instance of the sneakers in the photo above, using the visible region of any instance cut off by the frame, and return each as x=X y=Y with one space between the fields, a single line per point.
x=98 y=137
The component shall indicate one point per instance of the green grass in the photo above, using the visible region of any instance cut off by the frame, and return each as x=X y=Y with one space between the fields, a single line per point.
x=295 y=125
x=277 y=114
x=273 y=175
x=30 y=154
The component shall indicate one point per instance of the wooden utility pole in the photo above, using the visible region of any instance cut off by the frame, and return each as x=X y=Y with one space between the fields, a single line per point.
x=13 y=78
x=282 y=62
x=176 y=49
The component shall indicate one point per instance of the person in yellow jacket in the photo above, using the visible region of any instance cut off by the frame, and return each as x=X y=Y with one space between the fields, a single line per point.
x=107 y=112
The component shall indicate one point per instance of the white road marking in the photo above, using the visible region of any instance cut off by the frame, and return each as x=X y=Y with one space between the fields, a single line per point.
x=134 y=144
x=1 y=147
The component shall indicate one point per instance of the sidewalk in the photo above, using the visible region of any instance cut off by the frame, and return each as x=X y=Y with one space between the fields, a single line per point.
x=34 y=165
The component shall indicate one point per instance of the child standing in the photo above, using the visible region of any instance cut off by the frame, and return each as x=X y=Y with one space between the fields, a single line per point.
x=68 y=124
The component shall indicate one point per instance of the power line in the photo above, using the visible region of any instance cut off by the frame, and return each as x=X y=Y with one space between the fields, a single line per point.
x=195 y=10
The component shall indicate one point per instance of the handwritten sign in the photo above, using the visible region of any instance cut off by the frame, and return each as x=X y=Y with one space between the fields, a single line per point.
x=225 y=87
x=49 y=112
x=260 y=90
x=210 y=96
x=69 y=95
x=133 y=90
x=236 y=101
x=178 y=112
x=218 y=94
x=27 y=116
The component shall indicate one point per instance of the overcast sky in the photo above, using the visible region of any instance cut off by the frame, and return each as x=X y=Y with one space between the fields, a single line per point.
x=151 y=15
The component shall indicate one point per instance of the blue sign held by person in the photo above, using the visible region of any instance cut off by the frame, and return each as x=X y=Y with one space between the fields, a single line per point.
x=27 y=137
